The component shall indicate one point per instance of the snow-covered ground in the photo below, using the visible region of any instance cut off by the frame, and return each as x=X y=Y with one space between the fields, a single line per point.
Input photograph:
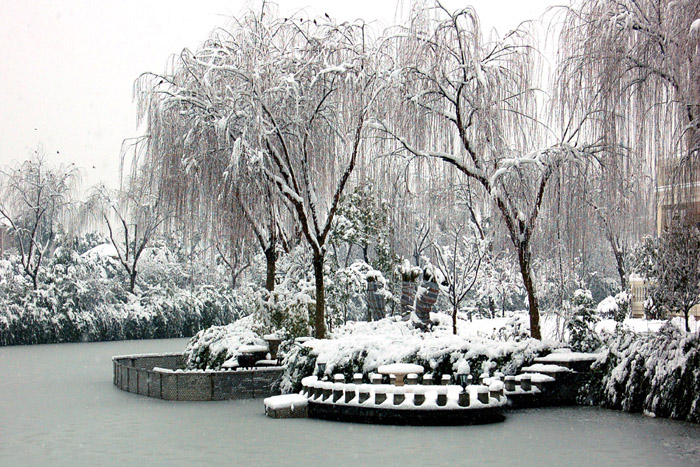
x=647 y=325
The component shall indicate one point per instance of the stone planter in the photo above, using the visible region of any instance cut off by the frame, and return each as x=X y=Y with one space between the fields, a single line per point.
x=425 y=300
x=273 y=342
x=376 y=303
x=246 y=360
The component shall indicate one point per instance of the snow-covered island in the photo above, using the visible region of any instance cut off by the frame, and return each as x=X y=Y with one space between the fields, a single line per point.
x=634 y=370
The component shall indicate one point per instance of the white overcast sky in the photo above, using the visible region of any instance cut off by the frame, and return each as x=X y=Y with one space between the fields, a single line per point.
x=67 y=67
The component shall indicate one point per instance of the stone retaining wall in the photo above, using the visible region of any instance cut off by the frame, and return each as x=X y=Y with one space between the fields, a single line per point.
x=160 y=376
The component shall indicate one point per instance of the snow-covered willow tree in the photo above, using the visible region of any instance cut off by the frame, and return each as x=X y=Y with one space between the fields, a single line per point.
x=199 y=119
x=34 y=199
x=473 y=104
x=281 y=99
x=629 y=80
x=133 y=216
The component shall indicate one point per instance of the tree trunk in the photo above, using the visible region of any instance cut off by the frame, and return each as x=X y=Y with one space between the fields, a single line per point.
x=621 y=271
x=132 y=280
x=454 y=320
x=271 y=258
x=526 y=272
x=620 y=262
x=320 y=318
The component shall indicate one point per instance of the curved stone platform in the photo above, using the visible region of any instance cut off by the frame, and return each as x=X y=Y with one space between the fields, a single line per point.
x=404 y=405
x=161 y=376
x=413 y=417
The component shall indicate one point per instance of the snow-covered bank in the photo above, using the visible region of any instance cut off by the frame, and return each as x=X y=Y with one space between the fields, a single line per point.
x=655 y=373
x=160 y=317
x=83 y=298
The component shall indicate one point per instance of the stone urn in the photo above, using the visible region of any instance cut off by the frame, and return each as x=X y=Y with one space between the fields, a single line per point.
x=273 y=343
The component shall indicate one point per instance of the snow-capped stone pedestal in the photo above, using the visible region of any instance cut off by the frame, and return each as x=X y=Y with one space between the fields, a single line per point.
x=287 y=406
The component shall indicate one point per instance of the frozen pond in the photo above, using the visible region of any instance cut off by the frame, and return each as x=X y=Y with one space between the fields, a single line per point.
x=58 y=406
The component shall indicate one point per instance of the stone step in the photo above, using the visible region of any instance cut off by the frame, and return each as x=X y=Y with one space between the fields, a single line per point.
x=576 y=361
x=537 y=378
x=546 y=369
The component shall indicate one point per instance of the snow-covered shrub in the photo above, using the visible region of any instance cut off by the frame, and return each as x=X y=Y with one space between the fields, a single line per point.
x=581 y=322
x=657 y=373
x=517 y=328
x=616 y=308
x=346 y=292
x=81 y=297
x=601 y=285
x=607 y=308
x=289 y=311
x=85 y=242
x=213 y=346
x=644 y=257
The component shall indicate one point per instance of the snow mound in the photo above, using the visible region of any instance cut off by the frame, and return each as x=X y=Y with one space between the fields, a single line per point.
x=106 y=250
